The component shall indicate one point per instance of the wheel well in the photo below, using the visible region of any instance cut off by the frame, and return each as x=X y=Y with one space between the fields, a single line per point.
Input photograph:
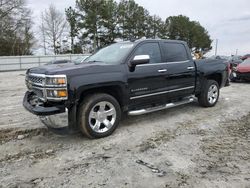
x=216 y=77
x=114 y=91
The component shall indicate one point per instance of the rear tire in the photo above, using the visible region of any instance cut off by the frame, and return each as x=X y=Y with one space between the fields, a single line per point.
x=209 y=94
x=99 y=115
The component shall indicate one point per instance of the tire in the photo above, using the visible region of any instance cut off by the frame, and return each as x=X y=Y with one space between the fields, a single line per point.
x=99 y=115
x=210 y=94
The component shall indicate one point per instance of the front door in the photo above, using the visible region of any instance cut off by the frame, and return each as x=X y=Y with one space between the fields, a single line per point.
x=147 y=81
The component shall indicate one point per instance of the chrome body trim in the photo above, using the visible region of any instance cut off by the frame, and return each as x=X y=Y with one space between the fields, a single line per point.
x=37 y=75
x=190 y=68
x=141 y=57
x=162 y=92
x=162 y=107
x=48 y=76
x=44 y=81
x=165 y=63
x=162 y=70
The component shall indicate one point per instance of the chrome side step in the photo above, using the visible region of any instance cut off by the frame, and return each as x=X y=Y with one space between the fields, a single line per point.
x=162 y=107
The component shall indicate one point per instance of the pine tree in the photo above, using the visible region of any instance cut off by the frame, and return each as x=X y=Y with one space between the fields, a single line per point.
x=109 y=16
x=181 y=28
x=132 y=20
x=155 y=27
x=90 y=20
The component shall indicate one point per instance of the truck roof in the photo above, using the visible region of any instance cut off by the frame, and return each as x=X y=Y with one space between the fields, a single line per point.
x=158 y=40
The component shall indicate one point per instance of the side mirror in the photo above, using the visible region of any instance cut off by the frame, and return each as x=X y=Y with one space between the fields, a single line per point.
x=139 y=60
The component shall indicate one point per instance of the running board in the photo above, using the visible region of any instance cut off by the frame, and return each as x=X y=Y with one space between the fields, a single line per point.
x=162 y=107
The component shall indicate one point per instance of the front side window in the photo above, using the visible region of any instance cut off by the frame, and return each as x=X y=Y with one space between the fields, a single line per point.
x=175 y=52
x=152 y=49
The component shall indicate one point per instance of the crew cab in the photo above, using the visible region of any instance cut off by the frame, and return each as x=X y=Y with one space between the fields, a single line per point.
x=135 y=77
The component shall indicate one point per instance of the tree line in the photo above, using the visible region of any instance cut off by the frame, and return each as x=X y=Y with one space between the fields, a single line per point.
x=16 y=36
x=93 y=24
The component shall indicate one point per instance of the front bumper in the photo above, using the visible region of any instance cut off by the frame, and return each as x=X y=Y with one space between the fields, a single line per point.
x=39 y=109
x=56 y=118
x=239 y=75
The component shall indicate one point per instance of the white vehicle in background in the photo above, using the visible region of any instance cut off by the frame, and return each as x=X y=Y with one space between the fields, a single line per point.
x=78 y=60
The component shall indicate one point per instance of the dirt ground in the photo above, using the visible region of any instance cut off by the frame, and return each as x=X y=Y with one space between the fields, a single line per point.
x=186 y=146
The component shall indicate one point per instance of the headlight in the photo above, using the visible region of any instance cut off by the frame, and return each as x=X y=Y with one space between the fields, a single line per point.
x=59 y=93
x=58 y=80
x=56 y=87
x=234 y=68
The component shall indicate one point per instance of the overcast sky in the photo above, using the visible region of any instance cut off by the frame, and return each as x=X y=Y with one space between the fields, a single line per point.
x=226 y=20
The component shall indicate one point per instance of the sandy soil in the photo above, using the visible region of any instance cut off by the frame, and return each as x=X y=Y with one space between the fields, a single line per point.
x=187 y=146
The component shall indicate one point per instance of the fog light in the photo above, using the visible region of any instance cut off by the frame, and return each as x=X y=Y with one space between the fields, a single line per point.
x=62 y=93
x=57 y=93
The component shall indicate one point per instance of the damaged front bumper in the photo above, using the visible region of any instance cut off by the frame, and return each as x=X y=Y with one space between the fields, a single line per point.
x=57 y=118
x=33 y=105
x=240 y=76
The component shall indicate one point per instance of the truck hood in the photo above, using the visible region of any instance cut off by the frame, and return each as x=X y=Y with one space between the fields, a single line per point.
x=243 y=68
x=73 y=69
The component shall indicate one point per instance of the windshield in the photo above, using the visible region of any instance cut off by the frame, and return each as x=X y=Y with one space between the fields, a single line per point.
x=112 y=54
x=246 y=62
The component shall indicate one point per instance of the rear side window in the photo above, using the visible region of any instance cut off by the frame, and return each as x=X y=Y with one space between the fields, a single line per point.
x=174 y=52
x=152 y=49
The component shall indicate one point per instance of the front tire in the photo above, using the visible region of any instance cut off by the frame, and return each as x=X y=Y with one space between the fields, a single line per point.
x=99 y=115
x=210 y=94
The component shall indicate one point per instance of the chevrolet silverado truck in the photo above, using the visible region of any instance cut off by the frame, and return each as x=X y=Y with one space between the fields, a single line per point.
x=133 y=77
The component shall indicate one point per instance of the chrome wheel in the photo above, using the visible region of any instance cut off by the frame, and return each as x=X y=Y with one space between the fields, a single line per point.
x=213 y=93
x=102 y=117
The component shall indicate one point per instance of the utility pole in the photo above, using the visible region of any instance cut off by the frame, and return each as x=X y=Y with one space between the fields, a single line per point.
x=216 y=46
x=236 y=52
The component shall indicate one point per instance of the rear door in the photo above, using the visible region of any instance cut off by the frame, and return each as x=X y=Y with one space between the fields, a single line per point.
x=181 y=70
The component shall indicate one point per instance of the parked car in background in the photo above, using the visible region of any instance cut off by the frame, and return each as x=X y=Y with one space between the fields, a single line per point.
x=241 y=71
x=59 y=62
x=78 y=60
x=219 y=57
x=245 y=57
x=234 y=60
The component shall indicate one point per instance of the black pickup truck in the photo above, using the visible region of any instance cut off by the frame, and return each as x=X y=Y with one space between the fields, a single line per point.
x=129 y=77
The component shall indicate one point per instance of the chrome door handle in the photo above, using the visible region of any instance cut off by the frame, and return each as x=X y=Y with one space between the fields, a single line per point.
x=162 y=70
x=190 y=68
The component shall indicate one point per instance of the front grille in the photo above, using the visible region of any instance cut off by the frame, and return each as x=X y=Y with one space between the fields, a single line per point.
x=35 y=80
x=35 y=84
